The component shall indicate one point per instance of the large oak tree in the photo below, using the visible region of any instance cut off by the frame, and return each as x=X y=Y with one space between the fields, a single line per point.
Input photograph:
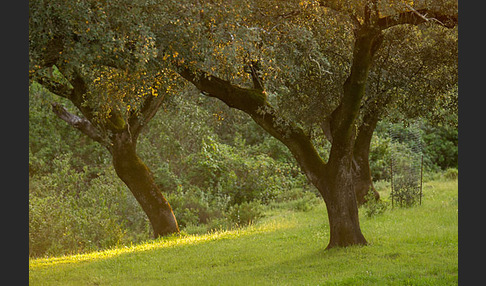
x=98 y=56
x=304 y=70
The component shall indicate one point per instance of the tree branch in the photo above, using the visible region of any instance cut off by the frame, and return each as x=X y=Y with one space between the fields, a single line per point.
x=247 y=100
x=254 y=103
x=149 y=108
x=79 y=123
x=55 y=87
x=416 y=17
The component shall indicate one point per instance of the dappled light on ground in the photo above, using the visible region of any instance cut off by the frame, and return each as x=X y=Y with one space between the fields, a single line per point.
x=166 y=242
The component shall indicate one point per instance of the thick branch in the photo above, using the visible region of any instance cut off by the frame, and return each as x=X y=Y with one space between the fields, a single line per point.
x=55 y=87
x=416 y=17
x=254 y=103
x=79 y=123
x=247 y=100
x=149 y=108
x=342 y=119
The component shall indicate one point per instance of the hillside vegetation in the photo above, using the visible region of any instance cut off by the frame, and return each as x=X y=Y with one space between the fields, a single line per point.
x=218 y=172
x=407 y=246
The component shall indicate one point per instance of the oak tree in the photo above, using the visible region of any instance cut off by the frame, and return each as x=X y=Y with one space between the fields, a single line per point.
x=307 y=70
x=99 y=56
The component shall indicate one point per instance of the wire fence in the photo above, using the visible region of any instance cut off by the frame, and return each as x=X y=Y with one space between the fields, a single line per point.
x=406 y=167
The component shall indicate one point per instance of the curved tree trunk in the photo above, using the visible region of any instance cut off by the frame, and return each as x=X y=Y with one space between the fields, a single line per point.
x=122 y=146
x=136 y=175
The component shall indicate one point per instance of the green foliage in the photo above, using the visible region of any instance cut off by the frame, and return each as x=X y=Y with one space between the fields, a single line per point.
x=50 y=137
x=78 y=204
x=451 y=174
x=373 y=207
x=245 y=213
x=406 y=191
x=125 y=52
x=192 y=206
x=439 y=144
x=236 y=173
x=70 y=212
x=380 y=156
x=297 y=199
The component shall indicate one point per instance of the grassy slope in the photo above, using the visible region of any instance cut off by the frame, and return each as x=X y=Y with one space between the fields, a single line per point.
x=416 y=246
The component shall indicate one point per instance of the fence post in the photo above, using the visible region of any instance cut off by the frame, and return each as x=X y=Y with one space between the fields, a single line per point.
x=391 y=178
x=421 y=176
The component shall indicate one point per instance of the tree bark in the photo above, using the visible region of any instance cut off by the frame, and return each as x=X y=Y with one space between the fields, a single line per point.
x=342 y=208
x=361 y=153
x=136 y=175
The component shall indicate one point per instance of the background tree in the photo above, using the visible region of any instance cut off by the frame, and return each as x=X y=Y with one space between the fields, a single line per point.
x=301 y=69
x=98 y=56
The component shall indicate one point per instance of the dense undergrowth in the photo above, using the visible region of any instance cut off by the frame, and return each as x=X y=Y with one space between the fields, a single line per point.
x=217 y=170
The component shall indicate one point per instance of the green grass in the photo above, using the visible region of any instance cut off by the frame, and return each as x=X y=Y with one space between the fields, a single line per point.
x=413 y=246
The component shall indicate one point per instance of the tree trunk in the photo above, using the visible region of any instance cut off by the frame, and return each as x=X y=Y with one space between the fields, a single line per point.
x=342 y=212
x=339 y=192
x=136 y=175
x=362 y=179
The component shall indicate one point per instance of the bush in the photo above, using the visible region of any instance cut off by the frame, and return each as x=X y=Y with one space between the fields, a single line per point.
x=296 y=199
x=451 y=174
x=72 y=213
x=406 y=190
x=380 y=156
x=245 y=213
x=193 y=207
x=373 y=207
x=439 y=144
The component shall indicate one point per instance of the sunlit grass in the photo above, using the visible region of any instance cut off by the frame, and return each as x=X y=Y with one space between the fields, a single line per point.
x=165 y=242
x=407 y=246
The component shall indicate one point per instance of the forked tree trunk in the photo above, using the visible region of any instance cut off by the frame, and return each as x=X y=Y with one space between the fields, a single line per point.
x=136 y=175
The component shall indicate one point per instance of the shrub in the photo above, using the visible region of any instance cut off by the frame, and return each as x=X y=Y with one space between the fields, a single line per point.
x=296 y=199
x=245 y=213
x=451 y=174
x=373 y=207
x=380 y=154
x=406 y=190
x=194 y=206
x=72 y=213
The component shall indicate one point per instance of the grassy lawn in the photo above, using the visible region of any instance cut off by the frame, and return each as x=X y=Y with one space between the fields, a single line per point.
x=413 y=246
